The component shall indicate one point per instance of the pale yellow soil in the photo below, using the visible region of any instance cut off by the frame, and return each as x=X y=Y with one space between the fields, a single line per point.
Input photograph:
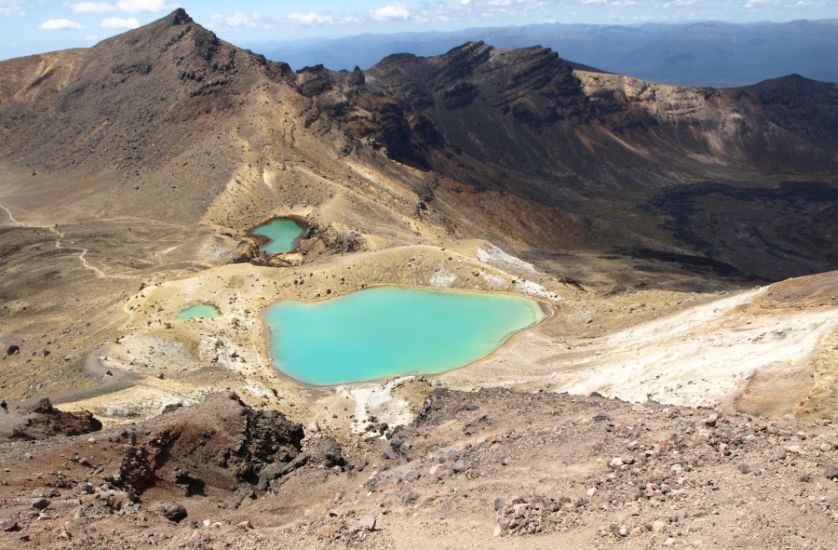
x=671 y=347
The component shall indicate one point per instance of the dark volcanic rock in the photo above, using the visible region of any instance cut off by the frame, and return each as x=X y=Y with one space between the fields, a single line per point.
x=193 y=485
x=42 y=420
x=533 y=87
x=312 y=81
x=40 y=503
x=173 y=512
x=357 y=79
x=327 y=452
x=220 y=443
x=803 y=213
x=460 y=95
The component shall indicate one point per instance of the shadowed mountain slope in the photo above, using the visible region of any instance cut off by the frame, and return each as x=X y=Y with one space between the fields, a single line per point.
x=608 y=148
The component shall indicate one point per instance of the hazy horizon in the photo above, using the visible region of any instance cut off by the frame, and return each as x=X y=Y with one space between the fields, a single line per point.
x=34 y=27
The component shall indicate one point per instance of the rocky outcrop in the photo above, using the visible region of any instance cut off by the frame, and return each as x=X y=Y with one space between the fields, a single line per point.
x=440 y=96
x=42 y=420
x=222 y=443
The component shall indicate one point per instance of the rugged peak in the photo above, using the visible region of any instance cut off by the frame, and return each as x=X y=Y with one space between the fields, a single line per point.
x=463 y=60
x=396 y=61
x=180 y=46
x=179 y=17
x=470 y=46
x=161 y=34
x=136 y=82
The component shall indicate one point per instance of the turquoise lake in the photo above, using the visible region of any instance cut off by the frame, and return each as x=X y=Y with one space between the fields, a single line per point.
x=282 y=235
x=389 y=331
x=200 y=311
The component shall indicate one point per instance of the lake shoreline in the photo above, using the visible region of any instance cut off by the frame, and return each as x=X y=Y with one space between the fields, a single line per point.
x=540 y=309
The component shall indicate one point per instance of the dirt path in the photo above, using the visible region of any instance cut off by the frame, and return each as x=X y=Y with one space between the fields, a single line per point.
x=110 y=380
x=58 y=241
x=12 y=218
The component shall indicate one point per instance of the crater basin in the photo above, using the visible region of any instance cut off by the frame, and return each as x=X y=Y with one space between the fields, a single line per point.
x=281 y=235
x=199 y=311
x=389 y=331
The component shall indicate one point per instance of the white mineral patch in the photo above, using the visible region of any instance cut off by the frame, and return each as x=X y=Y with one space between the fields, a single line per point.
x=492 y=255
x=442 y=277
x=190 y=286
x=378 y=402
x=224 y=353
x=699 y=357
x=536 y=290
x=144 y=408
x=257 y=391
x=219 y=251
x=495 y=281
x=138 y=353
x=124 y=411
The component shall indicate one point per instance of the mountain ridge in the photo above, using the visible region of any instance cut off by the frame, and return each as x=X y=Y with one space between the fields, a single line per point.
x=520 y=122
x=689 y=54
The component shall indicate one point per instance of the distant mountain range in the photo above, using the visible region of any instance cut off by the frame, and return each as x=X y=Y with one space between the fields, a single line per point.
x=694 y=54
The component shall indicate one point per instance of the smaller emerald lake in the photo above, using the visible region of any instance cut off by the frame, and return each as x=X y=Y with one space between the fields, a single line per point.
x=282 y=235
x=199 y=311
x=389 y=331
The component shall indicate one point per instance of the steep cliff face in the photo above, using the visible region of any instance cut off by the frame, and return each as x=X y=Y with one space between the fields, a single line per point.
x=519 y=108
x=782 y=125
x=528 y=123
x=491 y=105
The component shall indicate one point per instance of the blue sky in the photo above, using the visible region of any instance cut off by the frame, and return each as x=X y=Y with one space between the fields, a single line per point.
x=30 y=26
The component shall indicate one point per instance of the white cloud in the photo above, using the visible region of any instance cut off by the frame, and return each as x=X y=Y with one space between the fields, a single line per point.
x=120 y=23
x=134 y=6
x=311 y=18
x=130 y=6
x=239 y=21
x=12 y=8
x=59 y=25
x=613 y=2
x=91 y=7
x=390 y=12
x=91 y=37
